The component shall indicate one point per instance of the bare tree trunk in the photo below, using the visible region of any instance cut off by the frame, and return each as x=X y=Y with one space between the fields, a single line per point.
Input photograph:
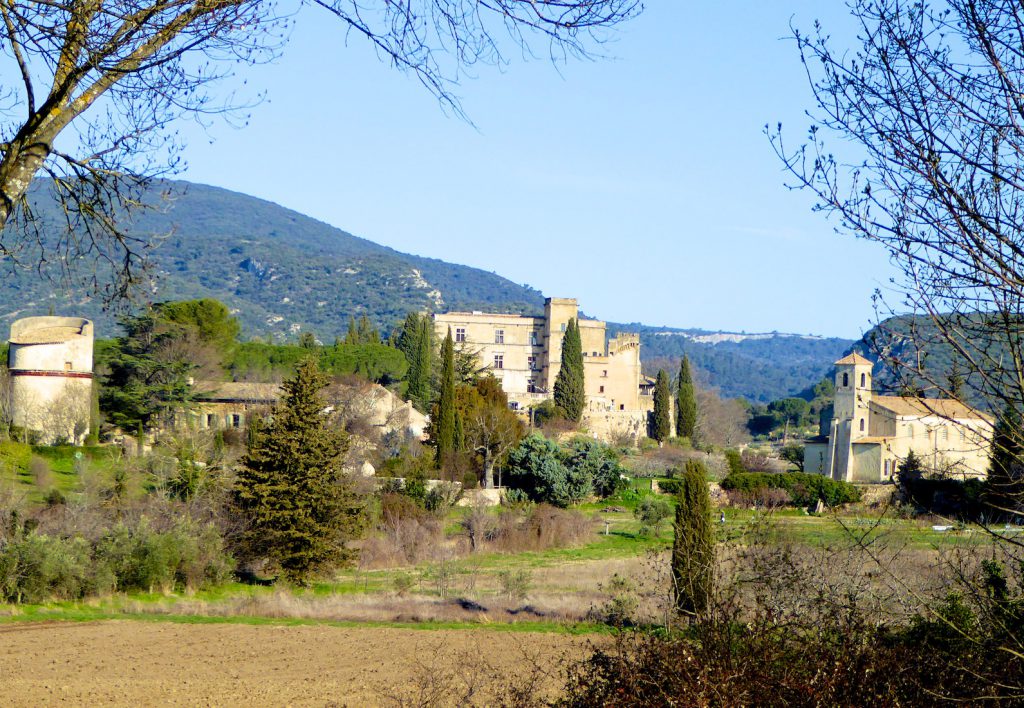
x=488 y=470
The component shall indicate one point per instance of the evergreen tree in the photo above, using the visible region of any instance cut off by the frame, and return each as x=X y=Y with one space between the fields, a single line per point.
x=446 y=403
x=693 y=550
x=367 y=333
x=421 y=365
x=408 y=339
x=661 y=425
x=955 y=381
x=352 y=334
x=569 y=391
x=1007 y=461
x=291 y=489
x=686 y=402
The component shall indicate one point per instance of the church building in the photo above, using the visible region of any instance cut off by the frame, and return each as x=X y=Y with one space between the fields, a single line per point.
x=870 y=434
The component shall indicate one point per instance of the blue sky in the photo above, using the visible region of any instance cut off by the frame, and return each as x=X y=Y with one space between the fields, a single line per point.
x=641 y=184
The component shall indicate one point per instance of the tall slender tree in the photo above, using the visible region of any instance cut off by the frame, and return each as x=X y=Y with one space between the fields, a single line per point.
x=1006 y=468
x=352 y=335
x=421 y=367
x=569 y=391
x=661 y=425
x=693 y=550
x=446 y=402
x=686 y=402
x=291 y=489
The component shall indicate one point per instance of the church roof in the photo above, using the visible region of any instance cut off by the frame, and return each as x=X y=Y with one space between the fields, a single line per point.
x=854 y=358
x=921 y=407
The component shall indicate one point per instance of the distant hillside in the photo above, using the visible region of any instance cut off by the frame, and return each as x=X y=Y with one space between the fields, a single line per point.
x=759 y=367
x=283 y=273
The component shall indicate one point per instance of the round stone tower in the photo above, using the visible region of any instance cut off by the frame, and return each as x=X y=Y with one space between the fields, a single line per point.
x=50 y=362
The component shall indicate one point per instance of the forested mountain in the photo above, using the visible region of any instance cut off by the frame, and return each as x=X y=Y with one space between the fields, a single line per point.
x=759 y=367
x=282 y=273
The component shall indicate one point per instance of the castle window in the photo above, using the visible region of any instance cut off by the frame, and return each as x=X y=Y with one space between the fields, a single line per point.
x=863 y=380
x=531 y=363
x=601 y=390
x=499 y=361
x=846 y=379
x=531 y=386
x=533 y=338
x=499 y=336
x=460 y=334
x=67 y=366
x=862 y=425
x=887 y=473
x=604 y=373
x=594 y=354
x=622 y=406
x=563 y=326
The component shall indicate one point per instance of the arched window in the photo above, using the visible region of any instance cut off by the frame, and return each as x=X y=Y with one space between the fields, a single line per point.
x=846 y=379
x=862 y=425
x=863 y=380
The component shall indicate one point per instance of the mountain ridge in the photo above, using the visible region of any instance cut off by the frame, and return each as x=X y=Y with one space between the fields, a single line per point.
x=282 y=273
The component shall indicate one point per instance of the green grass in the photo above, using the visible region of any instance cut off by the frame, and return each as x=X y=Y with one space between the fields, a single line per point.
x=62 y=460
x=50 y=613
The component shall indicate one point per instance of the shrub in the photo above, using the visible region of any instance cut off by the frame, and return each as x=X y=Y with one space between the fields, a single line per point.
x=541 y=527
x=651 y=511
x=38 y=567
x=734 y=461
x=805 y=489
x=536 y=467
x=598 y=461
x=515 y=584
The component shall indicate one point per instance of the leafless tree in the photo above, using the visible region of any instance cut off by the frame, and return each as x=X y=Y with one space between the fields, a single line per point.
x=720 y=421
x=6 y=409
x=95 y=86
x=928 y=115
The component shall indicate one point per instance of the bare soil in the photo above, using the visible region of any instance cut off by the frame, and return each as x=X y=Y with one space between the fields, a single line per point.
x=146 y=663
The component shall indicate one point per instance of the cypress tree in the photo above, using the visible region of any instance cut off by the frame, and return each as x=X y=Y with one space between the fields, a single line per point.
x=693 y=550
x=352 y=335
x=1004 y=474
x=291 y=489
x=686 y=402
x=661 y=426
x=446 y=402
x=408 y=338
x=421 y=365
x=570 y=394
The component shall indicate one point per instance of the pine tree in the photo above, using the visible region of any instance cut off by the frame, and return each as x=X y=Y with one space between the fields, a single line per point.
x=291 y=489
x=446 y=403
x=693 y=550
x=366 y=332
x=1007 y=461
x=686 y=403
x=661 y=425
x=352 y=335
x=569 y=391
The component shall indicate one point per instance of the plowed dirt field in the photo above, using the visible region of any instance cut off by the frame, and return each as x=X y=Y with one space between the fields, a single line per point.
x=149 y=663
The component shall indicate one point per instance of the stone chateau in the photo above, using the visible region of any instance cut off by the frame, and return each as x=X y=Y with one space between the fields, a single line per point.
x=525 y=354
x=870 y=434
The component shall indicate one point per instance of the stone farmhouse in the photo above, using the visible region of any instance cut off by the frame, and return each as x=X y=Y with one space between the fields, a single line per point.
x=226 y=405
x=525 y=354
x=870 y=434
x=50 y=363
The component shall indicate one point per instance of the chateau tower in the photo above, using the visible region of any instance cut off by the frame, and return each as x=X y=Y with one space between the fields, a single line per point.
x=50 y=362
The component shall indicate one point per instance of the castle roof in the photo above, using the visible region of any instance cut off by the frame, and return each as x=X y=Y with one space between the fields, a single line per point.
x=922 y=407
x=854 y=358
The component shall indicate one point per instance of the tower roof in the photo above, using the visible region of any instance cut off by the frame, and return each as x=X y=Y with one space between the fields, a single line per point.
x=854 y=358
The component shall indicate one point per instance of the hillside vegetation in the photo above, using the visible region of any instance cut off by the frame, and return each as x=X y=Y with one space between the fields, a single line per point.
x=282 y=274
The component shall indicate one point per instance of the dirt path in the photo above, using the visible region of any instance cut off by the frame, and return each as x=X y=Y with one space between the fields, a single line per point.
x=147 y=663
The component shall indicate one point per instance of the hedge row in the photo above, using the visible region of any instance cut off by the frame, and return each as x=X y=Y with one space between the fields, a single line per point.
x=805 y=489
